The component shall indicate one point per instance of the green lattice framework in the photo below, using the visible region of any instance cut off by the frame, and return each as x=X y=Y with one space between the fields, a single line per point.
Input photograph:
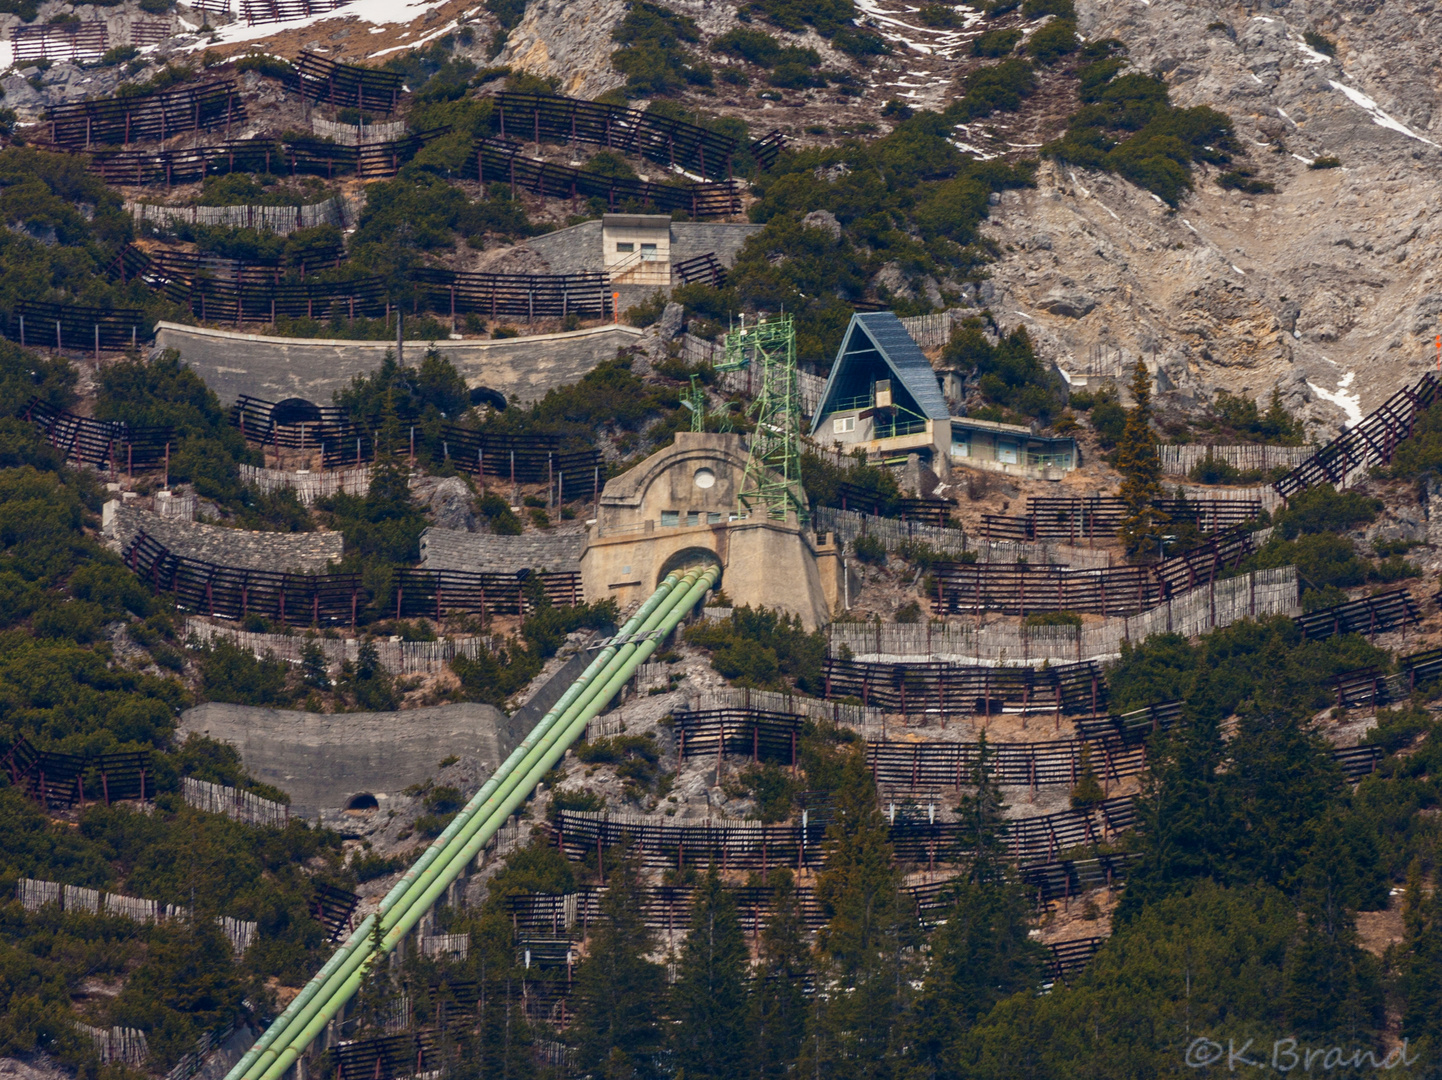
x=695 y=400
x=773 y=466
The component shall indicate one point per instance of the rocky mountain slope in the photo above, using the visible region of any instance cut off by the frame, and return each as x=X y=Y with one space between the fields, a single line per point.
x=1327 y=286
x=1324 y=287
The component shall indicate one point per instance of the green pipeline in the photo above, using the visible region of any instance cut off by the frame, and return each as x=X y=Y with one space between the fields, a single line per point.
x=512 y=783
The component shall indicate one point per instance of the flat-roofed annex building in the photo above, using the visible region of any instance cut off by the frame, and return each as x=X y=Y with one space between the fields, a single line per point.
x=1011 y=448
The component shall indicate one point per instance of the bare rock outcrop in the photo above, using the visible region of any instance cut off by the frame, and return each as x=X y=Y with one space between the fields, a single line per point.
x=569 y=40
x=1326 y=288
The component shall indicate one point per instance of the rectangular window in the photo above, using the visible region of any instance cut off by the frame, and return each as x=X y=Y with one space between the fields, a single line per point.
x=670 y=518
x=961 y=448
x=648 y=247
x=713 y=518
x=1006 y=453
x=843 y=424
x=623 y=247
x=693 y=517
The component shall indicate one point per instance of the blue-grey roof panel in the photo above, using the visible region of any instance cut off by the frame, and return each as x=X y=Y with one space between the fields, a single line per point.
x=901 y=354
x=908 y=361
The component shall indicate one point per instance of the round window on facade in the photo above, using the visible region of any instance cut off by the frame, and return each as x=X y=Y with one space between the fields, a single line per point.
x=705 y=478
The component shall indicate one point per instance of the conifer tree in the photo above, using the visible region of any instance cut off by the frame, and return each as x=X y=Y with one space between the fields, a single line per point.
x=618 y=989
x=390 y=482
x=315 y=670
x=1331 y=987
x=858 y=887
x=1280 y=426
x=502 y=1044
x=1181 y=815
x=1413 y=907
x=1279 y=783
x=1088 y=791
x=709 y=1001
x=981 y=954
x=778 y=1006
x=1141 y=469
x=981 y=815
x=378 y=987
x=856 y=1029
x=1422 y=967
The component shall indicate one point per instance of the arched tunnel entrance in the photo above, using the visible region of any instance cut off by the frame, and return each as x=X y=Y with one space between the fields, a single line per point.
x=484 y=395
x=688 y=558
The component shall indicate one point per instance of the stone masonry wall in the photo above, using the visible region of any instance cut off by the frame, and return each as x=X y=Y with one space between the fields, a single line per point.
x=476 y=553
x=323 y=760
x=573 y=250
x=692 y=238
x=306 y=553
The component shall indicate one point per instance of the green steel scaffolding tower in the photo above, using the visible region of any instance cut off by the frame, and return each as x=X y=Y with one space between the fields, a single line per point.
x=773 y=466
x=695 y=400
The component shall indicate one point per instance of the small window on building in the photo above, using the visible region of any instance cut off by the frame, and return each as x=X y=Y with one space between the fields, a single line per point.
x=961 y=448
x=625 y=246
x=693 y=517
x=713 y=518
x=1006 y=453
x=670 y=518
x=843 y=424
x=648 y=247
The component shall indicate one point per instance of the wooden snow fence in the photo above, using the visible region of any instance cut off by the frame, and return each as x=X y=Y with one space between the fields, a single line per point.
x=235 y=803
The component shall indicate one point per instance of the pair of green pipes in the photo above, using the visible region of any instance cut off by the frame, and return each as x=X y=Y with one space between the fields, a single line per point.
x=444 y=861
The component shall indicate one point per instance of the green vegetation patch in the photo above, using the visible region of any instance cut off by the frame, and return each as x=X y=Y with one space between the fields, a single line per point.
x=1009 y=375
x=763 y=648
x=653 y=56
x=996 y=43
x=1128 y=126
x=910 y=197
x=832 y=19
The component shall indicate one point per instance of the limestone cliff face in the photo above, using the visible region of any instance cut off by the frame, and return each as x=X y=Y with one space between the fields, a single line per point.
x=569 y=40
x=1327 y=287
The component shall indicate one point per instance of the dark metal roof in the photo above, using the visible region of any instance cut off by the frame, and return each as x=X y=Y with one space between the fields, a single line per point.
x=901 y=353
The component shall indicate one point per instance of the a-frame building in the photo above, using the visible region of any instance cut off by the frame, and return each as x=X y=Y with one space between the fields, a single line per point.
x=882 y=395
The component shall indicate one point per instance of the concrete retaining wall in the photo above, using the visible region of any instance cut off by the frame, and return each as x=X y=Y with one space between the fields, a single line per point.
x=692 y=238
x=306 y=553
x=485 y=553
x=276 y=368
x=324 y=760
x=572 y=250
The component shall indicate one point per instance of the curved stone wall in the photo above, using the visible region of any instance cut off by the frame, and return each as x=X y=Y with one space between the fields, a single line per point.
x=485 y=553
x=306 y=553
x=277 y=368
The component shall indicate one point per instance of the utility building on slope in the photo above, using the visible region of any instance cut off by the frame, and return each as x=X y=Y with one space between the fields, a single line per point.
x=882 y=395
